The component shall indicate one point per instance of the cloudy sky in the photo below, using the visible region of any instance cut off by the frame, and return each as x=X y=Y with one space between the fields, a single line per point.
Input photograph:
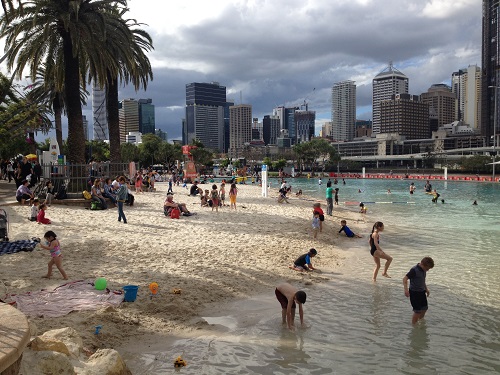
x=275 y=52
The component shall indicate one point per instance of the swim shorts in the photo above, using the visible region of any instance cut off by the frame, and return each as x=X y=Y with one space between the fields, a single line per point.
x=282 y=299
x=418 y=301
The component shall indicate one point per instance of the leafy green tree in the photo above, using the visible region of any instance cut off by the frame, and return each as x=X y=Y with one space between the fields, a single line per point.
x=170 y=153
x=45 y=145
x=267 y=161
x=97 y=150
x=279 y=164
x=224 y=163
x=476 y=164
x=203 y=158
x=128 y=47
x=308 y=153
x=129 y=152
x=150 y=149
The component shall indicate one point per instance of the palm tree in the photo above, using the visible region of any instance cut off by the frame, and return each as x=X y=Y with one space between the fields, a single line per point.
x=128 y=46
x=44 y=90
x=74 y=32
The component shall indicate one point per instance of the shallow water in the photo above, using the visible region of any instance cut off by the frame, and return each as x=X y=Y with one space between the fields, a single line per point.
x=358 y=327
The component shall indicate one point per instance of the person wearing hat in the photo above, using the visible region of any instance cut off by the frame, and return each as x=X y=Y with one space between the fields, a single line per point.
x=303 y=263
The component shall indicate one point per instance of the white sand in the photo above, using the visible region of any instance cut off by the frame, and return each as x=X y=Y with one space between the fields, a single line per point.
x=212 y=257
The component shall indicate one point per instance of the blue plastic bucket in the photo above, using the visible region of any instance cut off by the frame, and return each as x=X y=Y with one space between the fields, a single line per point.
x=130 y=293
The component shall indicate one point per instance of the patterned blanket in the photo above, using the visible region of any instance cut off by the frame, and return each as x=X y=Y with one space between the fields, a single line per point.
x=11 y=247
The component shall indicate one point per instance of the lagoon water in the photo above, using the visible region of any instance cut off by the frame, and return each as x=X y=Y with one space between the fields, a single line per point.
x=359 y=327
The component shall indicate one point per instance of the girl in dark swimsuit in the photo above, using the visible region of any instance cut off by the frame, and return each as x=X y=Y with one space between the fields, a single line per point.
x=377 y=252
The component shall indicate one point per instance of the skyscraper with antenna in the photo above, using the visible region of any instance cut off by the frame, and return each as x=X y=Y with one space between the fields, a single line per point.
x=388 y=82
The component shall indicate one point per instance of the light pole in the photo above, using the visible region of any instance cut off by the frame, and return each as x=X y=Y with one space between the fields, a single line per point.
x=495 y=120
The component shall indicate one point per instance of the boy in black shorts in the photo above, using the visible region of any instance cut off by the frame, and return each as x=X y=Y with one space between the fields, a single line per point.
x=418 y=291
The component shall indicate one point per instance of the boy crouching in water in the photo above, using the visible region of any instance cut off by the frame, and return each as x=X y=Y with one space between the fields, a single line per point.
x=418 y=291
x=289 y=297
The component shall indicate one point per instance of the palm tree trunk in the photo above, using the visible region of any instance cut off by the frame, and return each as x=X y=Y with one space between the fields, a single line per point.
x=76 y=138
x=113 y=118
x=56 y=105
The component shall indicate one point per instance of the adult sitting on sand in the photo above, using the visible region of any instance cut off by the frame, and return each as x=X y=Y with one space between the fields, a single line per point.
x=170 y=204
x=23 y=193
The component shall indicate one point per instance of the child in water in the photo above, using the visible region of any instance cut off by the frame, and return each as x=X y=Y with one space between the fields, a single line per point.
x=52 y=244
x=376 y=252
x=418 y=291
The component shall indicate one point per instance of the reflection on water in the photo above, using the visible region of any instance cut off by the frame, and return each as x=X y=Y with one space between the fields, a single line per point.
x=416 y=355
x=289 y=352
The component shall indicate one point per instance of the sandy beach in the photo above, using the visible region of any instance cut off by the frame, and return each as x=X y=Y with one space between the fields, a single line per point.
x=212 y=257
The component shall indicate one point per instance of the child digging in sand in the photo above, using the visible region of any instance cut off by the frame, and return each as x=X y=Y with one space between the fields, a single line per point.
x=54 y=247
x=303 y=263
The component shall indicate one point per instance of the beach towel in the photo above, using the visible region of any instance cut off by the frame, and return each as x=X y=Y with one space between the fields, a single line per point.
x=73 y=296
x=11 y=247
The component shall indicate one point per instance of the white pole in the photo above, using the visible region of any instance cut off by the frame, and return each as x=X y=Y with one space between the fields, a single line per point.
x=363 y=172
x=445 y=173
x=264 y=180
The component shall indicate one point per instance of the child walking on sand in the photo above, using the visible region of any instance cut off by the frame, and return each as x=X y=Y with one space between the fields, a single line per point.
x=418 y=291
x=214 y=194
x=233 y=192
x=377 y=252
x=52 y=244
x=41 y=219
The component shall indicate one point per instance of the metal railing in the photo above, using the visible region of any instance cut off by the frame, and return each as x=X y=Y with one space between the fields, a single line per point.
x=77 y=177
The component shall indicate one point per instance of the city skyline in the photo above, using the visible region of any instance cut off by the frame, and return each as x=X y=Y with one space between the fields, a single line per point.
x=259 y=49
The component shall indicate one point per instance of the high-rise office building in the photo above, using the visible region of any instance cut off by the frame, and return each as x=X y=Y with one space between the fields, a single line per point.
x=305 y=122
x=240 y=123
x=388 y=82
x=256 y=130
x=326 y=130
x=343 y=111
x=466 y=85
x=270 y=129
x=405 y=115
x=160 y=133
x=100 y=113
x=128 y=118
x=204 y=121
x=491 y=74
x=146 y=116
x=86 y=128
x=228 y=104
x=441 y=103
x=287 y=121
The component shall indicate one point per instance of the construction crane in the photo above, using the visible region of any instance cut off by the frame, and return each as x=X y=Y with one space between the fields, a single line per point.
x=305 y=104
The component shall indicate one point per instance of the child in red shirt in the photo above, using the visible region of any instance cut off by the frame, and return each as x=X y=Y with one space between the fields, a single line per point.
x=41 y=219
x=317 y=208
